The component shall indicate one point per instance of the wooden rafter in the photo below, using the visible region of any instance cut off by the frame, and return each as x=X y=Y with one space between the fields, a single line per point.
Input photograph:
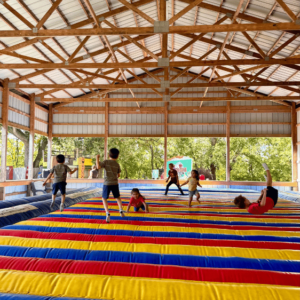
x=172 y=85
x=138 y=11
x=173 y=99
x=287 y=10
x=48 y=14
x=150 y=30
x=285 y=61
x=184 y=11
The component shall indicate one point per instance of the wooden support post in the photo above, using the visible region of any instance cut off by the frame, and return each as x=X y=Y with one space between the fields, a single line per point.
x=228 y=142
x=106 y=129
x=166 y=140
x=50 y=133
x=5 y=104
x=294 y=142
x=31 y=136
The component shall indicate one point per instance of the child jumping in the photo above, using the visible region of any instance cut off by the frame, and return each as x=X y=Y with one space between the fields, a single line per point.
x=137 y=201
x=111 y=175
x=173 y=175
x=60 y=180
x=266 y=201
x=193 y=181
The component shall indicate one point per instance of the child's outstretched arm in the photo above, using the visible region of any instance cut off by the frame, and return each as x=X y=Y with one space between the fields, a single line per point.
x=128 y=207
x=73 y=171
x=198 y=183
x=185 y=183
x=167 y=179
x=48 y=177
x=98 y=162
x=146 y=207
x=177 y=180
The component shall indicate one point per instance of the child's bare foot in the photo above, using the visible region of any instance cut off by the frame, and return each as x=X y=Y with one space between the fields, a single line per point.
x=122 y=214
x=198 y=201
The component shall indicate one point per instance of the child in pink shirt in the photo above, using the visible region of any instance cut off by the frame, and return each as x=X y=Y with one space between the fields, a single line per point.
x=137 y=201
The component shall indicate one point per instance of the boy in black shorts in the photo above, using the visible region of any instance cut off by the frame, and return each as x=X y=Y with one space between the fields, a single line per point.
x=111 y=184
x=60 y=180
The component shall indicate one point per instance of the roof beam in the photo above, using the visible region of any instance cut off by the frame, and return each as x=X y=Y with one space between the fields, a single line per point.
x=184 y=11
x=19 y=16
x=82 y=23
x=92 y=12
x=130 y=39
x=138 y=11
x=287 y=10
x=286 y=61
x=195 y=39
x=172 y=85
x=173 y=99
x=225 y=11
x=48 y=14
x=150 y=30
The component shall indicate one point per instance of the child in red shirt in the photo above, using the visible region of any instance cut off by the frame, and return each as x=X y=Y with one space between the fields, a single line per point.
x=137 y=201
x=266 y=201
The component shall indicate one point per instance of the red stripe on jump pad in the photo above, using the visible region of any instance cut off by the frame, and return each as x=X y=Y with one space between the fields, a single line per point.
x=172 y=224
x=149 y=271
x=178 y=206
x=247 y=215
x=191 y=213
x=148 y=240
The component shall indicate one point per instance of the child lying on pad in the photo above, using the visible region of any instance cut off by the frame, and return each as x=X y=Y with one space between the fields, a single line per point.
x=137 y=201
x=266 y=201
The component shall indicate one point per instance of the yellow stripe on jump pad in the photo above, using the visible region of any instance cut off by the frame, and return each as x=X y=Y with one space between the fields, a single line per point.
x=160 y=228
x=152 y=248
x=172 y=216
x=132 y=288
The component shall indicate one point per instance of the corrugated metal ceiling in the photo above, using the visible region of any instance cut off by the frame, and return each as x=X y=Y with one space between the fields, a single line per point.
x=73 y=11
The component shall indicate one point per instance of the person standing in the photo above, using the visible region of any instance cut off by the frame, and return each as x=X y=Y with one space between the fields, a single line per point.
x=173 y=177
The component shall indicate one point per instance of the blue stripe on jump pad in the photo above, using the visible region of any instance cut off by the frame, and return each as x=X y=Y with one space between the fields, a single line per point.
x=191 y=235
x=154 y=258
x=174 y=220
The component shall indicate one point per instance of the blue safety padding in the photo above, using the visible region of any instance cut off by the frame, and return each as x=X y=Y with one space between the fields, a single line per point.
x=173 y=220
x=33 y=297
x=29 y=200
x=43 y=207
x=191 y=235
x=154 y=258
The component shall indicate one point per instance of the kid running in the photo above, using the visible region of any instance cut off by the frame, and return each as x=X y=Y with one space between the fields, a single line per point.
x=59 y=182
x=193 y=181
x=137 y=201
x=266 y=201
x=173 y=175
x=111 y=175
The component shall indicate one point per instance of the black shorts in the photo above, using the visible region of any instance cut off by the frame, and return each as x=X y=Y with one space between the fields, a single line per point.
x=273 y=194
x=110 y=188
x=59 y=186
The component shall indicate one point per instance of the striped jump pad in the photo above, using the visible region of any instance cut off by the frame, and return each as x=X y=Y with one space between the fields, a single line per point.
x=210 y=251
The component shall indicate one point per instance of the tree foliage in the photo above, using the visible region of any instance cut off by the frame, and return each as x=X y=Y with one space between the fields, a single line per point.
x=139 y=156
